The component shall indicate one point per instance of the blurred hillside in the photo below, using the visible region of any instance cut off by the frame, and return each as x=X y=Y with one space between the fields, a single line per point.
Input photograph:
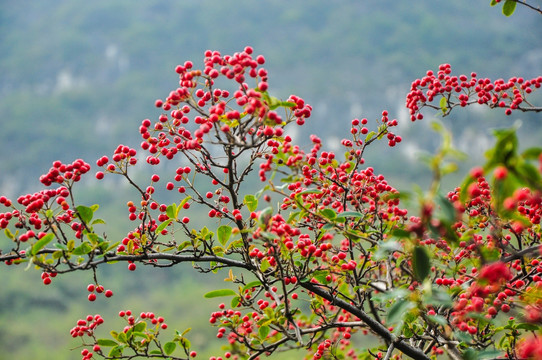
x=79 y=76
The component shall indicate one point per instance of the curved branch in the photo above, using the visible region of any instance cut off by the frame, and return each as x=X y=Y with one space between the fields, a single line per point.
x=377 y=327
x=524 y=3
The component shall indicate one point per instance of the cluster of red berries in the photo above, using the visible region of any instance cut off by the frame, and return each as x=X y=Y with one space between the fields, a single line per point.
x=60 y=172
x=122 y=156
x=97 y=289
x=86 y=326
x=463 y=90
x=47 y=277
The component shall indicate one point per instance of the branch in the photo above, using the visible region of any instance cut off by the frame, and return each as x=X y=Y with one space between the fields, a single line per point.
x=155 y=256
x=377 y=327
x=524 y=3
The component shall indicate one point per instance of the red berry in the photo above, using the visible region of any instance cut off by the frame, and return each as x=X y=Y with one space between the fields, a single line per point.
x=500 y=173
x=131 y=266
x=91 y=297
x=108 y=293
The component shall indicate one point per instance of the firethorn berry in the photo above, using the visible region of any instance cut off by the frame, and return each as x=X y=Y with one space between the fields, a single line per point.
x=193 y=354
x=108 y=293
x=91 y=297
x=131 y=266
x=500 y=173
x=91 y=287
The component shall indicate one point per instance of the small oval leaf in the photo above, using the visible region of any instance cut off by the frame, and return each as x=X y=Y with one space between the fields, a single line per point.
x=420 y=263
x=218 y=293
x=223 y=233
x=169 y=347
x=40 y=244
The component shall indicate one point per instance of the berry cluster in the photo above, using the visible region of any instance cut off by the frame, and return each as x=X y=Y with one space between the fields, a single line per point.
x=463 y=90
x=97 y=289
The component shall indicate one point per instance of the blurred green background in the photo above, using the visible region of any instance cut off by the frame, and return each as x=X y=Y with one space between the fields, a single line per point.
x=77 y=78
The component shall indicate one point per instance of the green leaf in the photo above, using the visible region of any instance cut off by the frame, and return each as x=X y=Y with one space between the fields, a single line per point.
x=60 y=246
x=82 y=249
x=264 y=265
x=184 y=244
x=223 y=233
x=263 y=331
x=439 y=319
x=219 y=293
x=40 y=244
x=493 y=3
x=185 y=343
x=442 y=104
x=116 y=351
x=122 y=337
x=509 y=7
x=398 y=310
x=353 y=214
x=94 y=239
x=9 y=234
x=420 y=263
x=532 y=153
x=163 y=226
x=328 y=213
x=490 y=354
x=106 y=342
x=252 y=284
x=288 y=104
x=505 y=150
x=251 y=202
x=447 y=210
x=400 y=233
x=140 y=326
x=438 y=297
x=235 y=302
x=526 y=326
x=309 y=191
x=265 y=215
x=85 y=213
x=470 y=354
x=169 y=347
x=369 y=136
x=171 y=211
x=185 y=200
x=98 y=221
